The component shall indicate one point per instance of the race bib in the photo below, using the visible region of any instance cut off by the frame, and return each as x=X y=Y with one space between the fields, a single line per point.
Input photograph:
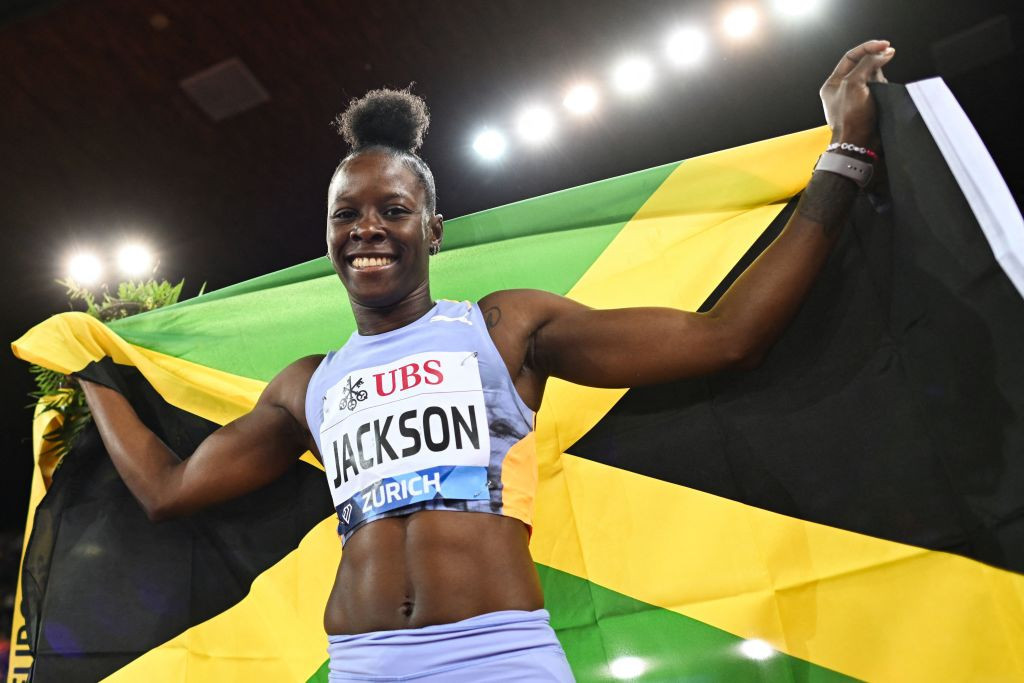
x=405 y=432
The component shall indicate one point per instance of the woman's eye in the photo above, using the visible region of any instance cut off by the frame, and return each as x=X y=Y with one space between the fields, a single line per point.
x=343 y=214
x=396 y=211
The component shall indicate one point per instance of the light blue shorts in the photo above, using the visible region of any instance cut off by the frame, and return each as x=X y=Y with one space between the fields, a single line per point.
x=513 y=645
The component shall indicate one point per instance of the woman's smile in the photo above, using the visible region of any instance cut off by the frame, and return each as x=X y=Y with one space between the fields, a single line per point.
x=371 y=263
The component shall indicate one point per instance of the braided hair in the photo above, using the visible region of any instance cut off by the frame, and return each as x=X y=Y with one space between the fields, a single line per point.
x=393 y=122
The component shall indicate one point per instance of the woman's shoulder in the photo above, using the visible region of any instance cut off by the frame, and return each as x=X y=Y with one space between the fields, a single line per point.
x=530 y=308
x=290 y=384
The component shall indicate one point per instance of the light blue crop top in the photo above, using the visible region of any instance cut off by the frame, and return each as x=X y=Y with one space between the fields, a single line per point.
x=424 y=417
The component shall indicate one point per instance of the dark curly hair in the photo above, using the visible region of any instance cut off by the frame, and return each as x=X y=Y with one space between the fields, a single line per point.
x=391 y=121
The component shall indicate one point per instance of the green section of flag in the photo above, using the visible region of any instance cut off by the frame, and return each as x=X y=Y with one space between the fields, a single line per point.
x=320 y=676
x=607 y=635
x=543 y=243
x=599 y=628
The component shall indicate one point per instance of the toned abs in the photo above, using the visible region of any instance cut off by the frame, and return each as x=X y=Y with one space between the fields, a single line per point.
x=431 y=567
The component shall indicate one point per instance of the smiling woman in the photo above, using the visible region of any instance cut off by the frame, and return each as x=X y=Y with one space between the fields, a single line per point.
x=423 y=419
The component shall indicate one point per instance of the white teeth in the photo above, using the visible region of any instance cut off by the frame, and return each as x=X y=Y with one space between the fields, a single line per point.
x=368 y=261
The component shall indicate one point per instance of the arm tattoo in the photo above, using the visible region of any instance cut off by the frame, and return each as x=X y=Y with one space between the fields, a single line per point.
x=492 y=316
x=826 y=200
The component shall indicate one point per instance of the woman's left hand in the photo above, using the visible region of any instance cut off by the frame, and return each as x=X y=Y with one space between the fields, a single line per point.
x=849 y=107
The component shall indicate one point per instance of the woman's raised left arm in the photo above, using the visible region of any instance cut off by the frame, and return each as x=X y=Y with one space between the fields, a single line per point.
x=636 y=346
x=765 y=297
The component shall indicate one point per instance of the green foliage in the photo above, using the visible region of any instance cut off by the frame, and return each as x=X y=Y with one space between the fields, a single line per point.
x=57 y=391
x=131 y=298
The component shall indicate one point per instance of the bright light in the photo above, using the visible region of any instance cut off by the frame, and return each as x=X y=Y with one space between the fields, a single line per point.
x=741 y=22
x=633 y=75
x=756 y=648
x=135 y=260
x=85 y=268
x=535 y=124
x=686 y=46
x=490 y=144
x=581 y=99
x=627 y=667
x=797 y=8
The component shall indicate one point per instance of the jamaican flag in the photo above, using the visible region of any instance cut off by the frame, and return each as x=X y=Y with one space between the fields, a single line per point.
x=852 y=508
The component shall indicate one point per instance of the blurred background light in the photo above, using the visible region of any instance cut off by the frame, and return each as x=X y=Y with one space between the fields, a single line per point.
x=797 y=8
x=686 y=46
x=756 y=649
x=633 y=75
x=135 y=260
x=489 y=144
x=741 y=22
x=85 y=268
x=627 y=668
x=535 y=124
x=581 y=99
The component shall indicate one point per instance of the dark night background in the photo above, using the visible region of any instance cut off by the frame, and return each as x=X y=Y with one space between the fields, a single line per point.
x=99 y=142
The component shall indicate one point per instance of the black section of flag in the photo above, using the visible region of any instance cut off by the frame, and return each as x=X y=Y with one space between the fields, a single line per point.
x=892 y=405
x=102 y=584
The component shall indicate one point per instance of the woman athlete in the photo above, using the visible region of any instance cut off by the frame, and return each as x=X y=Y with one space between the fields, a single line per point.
x=419 y=417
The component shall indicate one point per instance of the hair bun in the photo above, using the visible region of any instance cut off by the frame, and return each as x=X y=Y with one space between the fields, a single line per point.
x=391 y=118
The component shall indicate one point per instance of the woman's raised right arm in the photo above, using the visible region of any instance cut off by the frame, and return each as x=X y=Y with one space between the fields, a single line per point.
x=240 y=457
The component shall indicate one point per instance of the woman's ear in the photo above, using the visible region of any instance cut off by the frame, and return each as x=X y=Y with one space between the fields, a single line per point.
x=435 y=232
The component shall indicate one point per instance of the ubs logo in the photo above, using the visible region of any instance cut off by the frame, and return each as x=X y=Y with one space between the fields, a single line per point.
x=409 y=376
x=352 y=395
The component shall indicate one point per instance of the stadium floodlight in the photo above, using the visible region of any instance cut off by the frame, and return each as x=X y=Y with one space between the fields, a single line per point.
x=756 y=649
x=633 y=75
x=489 y=144
x=686 y=46
x=135 y=260
x=85 y=268
x=741 y=21
x=581 y=99
x=797 y=8
x=535 y=124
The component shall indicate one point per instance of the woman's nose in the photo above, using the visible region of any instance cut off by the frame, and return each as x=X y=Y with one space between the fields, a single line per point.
x=368 y=229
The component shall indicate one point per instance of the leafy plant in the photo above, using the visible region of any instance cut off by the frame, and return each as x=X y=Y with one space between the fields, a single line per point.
x=55 y=392
x=131 y=298
x=58 y=392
